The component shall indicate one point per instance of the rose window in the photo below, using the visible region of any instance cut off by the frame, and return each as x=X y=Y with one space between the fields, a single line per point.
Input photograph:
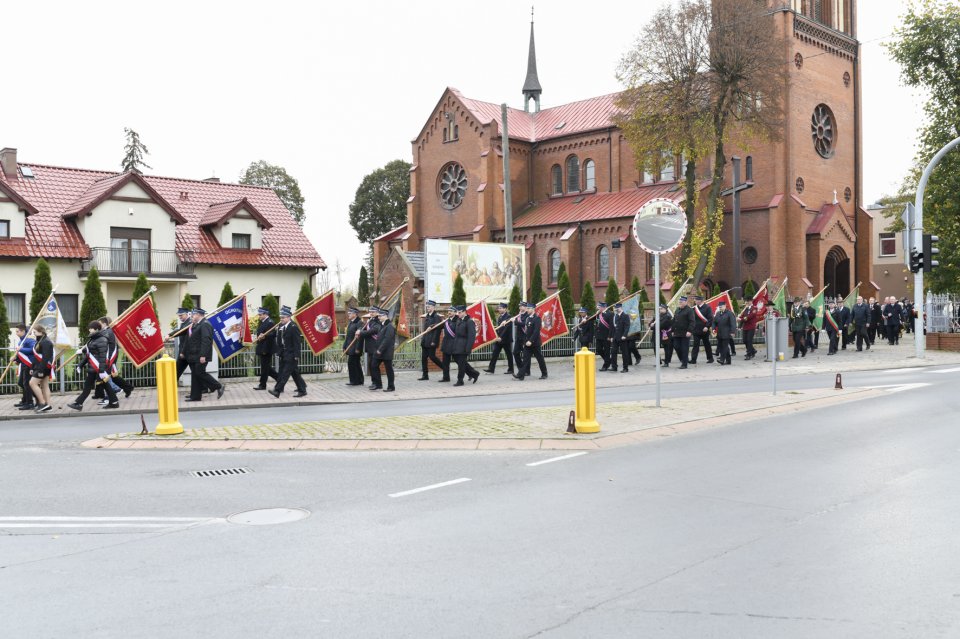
x=823 y=130
x=453 y=186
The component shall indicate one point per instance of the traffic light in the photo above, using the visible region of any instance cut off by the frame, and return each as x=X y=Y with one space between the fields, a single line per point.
x=930 y=252
x=916 y=261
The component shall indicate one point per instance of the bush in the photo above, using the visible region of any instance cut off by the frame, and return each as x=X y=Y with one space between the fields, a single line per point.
x=93 y=306
x=42 y=287
x=587 y=299
x=613 y=293
x=514 y=304
x=458 y=297
x=536 y=286
x=226 y=294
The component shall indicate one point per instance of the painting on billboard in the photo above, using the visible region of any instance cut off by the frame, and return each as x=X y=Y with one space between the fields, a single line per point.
x=489 y=270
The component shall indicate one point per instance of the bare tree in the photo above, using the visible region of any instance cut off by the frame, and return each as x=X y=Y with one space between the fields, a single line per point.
x=701 y=72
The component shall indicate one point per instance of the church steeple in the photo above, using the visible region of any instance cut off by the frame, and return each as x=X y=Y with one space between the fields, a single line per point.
x=531 y=86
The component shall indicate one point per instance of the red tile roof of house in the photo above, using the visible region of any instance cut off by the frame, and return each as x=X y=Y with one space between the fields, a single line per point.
x=596 y=206
x=219 y=213
x=57 y=191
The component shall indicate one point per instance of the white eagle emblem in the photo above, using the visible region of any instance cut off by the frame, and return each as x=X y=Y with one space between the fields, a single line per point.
x=147 y=328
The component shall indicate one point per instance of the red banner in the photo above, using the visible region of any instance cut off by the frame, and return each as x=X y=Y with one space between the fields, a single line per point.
x=552 y=321
x=138 y=333
x=714 y=302
x=760 y=302
x=481 y=318
x=318 y=322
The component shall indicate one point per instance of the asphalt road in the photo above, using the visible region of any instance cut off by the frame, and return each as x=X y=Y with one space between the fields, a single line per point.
x=830 y=523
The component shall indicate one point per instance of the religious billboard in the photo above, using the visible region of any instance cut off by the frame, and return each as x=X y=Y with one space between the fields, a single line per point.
x=489 y=270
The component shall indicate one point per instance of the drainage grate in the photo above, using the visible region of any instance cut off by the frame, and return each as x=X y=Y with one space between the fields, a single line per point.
x=222 y=472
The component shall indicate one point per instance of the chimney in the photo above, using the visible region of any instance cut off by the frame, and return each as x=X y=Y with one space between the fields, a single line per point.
x=215 y=180
x=8 y=162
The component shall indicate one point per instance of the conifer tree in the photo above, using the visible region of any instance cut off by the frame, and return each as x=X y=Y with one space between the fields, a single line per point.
x=271 y=304
x=613 y=292
x=587 y=299
x=140 y=289
x=226 y=294
x=363 y=288
x=536 y=286
x=187 y=302
x=458 y=297
x=42 y=286
x=306 y=295
x=635 y=284
x=93 y=306
x=4 y=330
x=663 y=300
x=514 y=304
x=716 y=290
x=566 y=295
x=749 y=290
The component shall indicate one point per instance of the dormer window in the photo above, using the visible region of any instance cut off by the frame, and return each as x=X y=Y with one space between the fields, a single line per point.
x=236 y=224
x=4 y=229
x=241 y=241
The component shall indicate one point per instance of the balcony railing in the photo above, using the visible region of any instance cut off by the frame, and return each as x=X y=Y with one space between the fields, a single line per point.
x=132 y=262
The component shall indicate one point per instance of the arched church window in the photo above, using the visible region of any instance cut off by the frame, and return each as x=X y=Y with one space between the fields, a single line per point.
x=603 y=264
x=668 y=172
x=556 y=180
x=590 y=175
x=823 y=130
x=749 y=177
x=554 y=259
x=452 y=185
x=573 y=174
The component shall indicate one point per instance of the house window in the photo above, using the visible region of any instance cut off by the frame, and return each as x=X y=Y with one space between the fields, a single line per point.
x=16 y=308
x=749 y=176
x=241 y=241
x=888 y=245
x=573 y=174
x=4 y=229
x=556 y=180
x=129 y=250
x=668 y=171
x=69 y=307
x=122 y=305
x=554 y=259
x=603 y=264
x=590 y=175
x=196 y=301
x=647 y=177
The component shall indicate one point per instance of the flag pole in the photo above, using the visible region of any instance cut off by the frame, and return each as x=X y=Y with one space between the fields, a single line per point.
x=438 y=325
x=390 y=297
x=216 y=310
x=32 y=325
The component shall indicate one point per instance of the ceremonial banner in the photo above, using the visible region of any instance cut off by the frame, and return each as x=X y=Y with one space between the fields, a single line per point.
x=817 y=303
x=397 y=310
x=486 y=333
x=780 y=300
x=51 y=319
x=631 y=307
x=553 y=323
x=138 y=332
x=318 y=322
x=760 y=300
x=714 y=302
x=231 y=331
x=850 y=301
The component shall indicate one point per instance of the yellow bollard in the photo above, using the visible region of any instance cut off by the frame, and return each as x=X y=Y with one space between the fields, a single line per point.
x=167 y=401
x=585 y=391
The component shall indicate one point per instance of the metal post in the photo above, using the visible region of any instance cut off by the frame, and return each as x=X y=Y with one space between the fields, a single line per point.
x=507 y=202
x=776 y=355
x=656 y=326
x=919 y=339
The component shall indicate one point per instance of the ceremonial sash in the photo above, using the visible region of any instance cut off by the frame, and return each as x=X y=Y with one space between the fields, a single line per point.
x=696 y=309
x=449 y=329
x=829 y=318
x=94 y=362
x=38 y=357
x=603 y=321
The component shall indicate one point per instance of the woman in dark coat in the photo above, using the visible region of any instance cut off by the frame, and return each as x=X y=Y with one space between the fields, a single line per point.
x=42 y=369
x=96 y=355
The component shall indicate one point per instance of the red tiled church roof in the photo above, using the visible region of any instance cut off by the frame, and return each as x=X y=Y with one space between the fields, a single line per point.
x=596 y=206
x=56 y=192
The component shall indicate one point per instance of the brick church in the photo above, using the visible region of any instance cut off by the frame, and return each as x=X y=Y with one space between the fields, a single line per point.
x=575 y=186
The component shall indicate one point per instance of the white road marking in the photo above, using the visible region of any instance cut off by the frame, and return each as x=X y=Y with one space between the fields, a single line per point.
x=946 y=370
x=430 y=487
x=59 y=525
x=116 y=523
x=23 y=518
x=901 y=370
x=555 y=459
x=897 y=388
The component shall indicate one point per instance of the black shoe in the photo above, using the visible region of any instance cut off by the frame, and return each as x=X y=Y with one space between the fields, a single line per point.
x=43 y=408
x=28 y=407
x=74 y=406
x=300 y=394
x=508 y=372
x=543 y=377
x=487 y=370
x=263 y=387
x=126 y=393
x=692 y=362
x=666 y=365
x=191 y=399
x=389 y=389
x=476 y=376
x=444 y=380
x=682 y=366
x=604 y=368
x=19 y=404
x=709 y=361
x=459 y=383
x=220 y=391
x=375 y=388
x=275 y=393
x=626 y=370
x=803 y=354
x=113 y=405
x=423 y=378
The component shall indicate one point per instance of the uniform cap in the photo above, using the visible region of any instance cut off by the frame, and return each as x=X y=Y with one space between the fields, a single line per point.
x=199 y=311
x=431 y=303
x=601 y=304
x=618 y=305
x=502 y=305
x=285 y=311
x=354 y=310
x=263 y=311
x=373 y=310
x=699 y=298
x=721 y=303
x=182 y=310
x=583 y=309
x=663 y=306
x=683 y=298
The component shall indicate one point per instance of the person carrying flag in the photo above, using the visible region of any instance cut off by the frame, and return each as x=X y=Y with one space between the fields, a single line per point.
x=504 y=341
x=24 y=364
x=386 y=342
x=97 y=368
x=583 y=333
x=368 y=336
x=683 y=321
x=430 y=341
x=703 y=318
x=620 y=345
x=799 y=323
x=114 y=355
x=517 y=328
x=288 y=348
x=725 y=327
x=831 y=322
x=183 y=315
x=199 y=350
x=466 y=335
x=604 y=328
x=750 y=318
x=665 y=338
x=265 y=348
x=447 y=345
x=531 y=342
x=353 y=348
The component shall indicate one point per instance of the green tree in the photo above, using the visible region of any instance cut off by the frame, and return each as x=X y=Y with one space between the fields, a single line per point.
x=566 y=295
x=635 y=285
x=663 y=300
x=749 y=290
x=42 y=286
x=560 y=271
x=536 y=286
x=4 y=331
x=363 y=287
x=458 y=297
x=226 y=294
x=515 y=298
x=262 y=173
x=306 y=295
x=140 y=288
x=380 y=203
x=133 y=153
x=613 y=293
x=587 y=299
x=927 y=47
x=187 y=302
x=93 y=306
x=715 y=290
x=271 y=304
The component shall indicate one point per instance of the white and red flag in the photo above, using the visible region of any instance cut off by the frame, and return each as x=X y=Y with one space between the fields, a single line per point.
x=553 y=323
x=138 y=332
x=480 y=315
x=714 y=302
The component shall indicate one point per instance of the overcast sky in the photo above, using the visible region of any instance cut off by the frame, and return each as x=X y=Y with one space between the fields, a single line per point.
x=332 y=90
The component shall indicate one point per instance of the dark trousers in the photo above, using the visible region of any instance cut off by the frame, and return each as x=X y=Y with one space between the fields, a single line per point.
x=428 y=354
x=799 y=343
x=445 y=366
x=289 y=367
x=893 y=333
x=354 y=369
x=633 y=351
x=24 y=383
x=621 y=349
x=375 y=372
x=603 y=350
x=200 y=379
x=862 y=337
x=464 y=367
x=748 y=342
x=127 y=387
x=266 y=369
x=666 y=350
x=681 y=346
x=723 y=349
x=529 y=354
x=90 y=383
x=182 y=365
x=699 y=338
x=810 y=344
x=497 y=347
x=834 y=341
x=518 y=357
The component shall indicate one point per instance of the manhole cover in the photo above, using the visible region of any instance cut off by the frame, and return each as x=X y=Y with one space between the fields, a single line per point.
x=268 y=516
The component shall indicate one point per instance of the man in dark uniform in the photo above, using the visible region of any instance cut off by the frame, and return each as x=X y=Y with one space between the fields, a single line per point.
x=430 y=341
x=725 y=327
x=183 y=314
x=833 y=332
x=666 y=335
x=621 y=327
x=114 y=354
x=604 y=327
x=288 y=348
x=504 y=341
x=682 y=330
x=799 y=323
x=517 y=328
x=199 y=352
x=583 y=333
x=448 y=344
x=368 y=336
x=892 y=318
x=877 y=324
x=843 y=324
x=466 y=335
x=386 y=342
x=266 y=346
x=860 y=316
x=813 y=335
x=531 y=342
x=353 y=348
x=703 y=319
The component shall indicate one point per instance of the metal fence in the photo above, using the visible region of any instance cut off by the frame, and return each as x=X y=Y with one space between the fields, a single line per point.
x=943 y=313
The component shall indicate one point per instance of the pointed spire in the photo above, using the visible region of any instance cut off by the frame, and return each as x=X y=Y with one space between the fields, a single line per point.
x=531 y=86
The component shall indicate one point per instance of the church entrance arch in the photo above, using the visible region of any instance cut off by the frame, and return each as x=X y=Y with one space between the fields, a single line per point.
x=836 y=273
